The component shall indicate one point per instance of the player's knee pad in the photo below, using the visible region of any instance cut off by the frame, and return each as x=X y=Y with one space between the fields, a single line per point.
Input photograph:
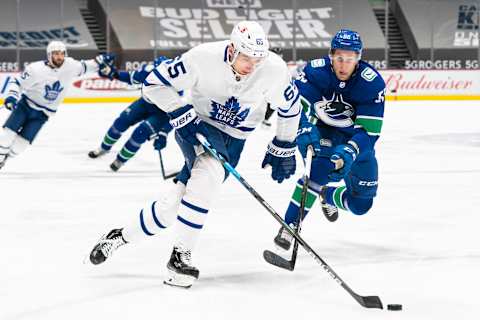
x=124 y=121
x=7 y=136
x=161 y=214
x=18 y=146
x=359 y=206
x=142 y=133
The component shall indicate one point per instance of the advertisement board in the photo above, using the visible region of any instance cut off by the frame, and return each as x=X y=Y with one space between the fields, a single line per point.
x=401 y=85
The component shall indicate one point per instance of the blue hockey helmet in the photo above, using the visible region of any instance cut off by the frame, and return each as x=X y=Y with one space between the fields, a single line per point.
x=346 y=39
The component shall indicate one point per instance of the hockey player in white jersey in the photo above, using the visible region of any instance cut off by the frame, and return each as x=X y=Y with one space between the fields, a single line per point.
x=229 y=83
x=34 y=96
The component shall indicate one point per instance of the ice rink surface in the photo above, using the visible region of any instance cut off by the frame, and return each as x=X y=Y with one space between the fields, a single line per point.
x=418 y=246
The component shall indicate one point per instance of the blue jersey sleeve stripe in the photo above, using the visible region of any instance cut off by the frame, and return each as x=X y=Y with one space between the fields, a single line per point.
x=280 y=110
x=289 y=116
x=7 y=81
x=161 y=78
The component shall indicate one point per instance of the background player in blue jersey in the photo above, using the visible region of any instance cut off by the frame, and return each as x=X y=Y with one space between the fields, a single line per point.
x=343 y=102
x=153 y=121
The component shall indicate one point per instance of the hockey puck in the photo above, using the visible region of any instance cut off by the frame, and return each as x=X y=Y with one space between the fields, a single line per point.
x=394 y=307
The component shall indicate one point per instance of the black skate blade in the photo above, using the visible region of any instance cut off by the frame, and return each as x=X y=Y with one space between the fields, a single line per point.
x=278 y=261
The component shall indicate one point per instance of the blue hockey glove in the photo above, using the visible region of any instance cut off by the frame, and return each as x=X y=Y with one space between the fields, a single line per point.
x=343 y=157
x=185 y=121
x=10 y=103
x=307 y=135
x=106 y=66
x=281 y=157
x=161 y=141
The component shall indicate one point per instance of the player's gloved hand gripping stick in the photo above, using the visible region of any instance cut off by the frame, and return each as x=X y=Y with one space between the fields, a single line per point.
x=364 y=301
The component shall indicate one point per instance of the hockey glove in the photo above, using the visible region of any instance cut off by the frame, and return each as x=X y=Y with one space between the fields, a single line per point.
x=106 y=68
x=343 y=157
x=281 y=157
x=185 y=121
x=10 y=103
x=161 y=141
x=308 y=135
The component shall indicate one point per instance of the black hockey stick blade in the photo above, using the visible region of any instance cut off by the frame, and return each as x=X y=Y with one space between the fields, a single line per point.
x=370 y=301
x=278 y=261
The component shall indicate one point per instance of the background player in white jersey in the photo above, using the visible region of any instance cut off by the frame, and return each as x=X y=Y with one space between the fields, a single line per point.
x=34 y=96
x=230 y=84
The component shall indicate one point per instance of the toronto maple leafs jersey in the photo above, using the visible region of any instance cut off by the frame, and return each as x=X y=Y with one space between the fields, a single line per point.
x=233 y=104
x=44 y=87
x=353 y=107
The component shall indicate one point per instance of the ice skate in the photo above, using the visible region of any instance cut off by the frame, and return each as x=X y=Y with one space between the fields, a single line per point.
x=181 y=273
x=106 y=246
x=115 y=165
x=97 y=153
x=330 y=211
x=284 y=239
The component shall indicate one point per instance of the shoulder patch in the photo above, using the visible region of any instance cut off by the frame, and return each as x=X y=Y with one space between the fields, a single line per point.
x=317 y=63
x=368 y=74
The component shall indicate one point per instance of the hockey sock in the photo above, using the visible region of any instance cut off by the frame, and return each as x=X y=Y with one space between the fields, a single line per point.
x=155 y=216
x=336 y=196
x=293 y=209
x=110 y=138
x=128 y=151
x=191 y=219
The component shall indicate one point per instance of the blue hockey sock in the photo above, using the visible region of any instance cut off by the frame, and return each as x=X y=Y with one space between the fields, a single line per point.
x=293 y=209
x=128 y=151
x=110 y=138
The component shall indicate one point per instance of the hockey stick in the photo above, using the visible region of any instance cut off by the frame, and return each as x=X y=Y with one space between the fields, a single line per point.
x=165 y=176
x=364 y=301
x=272 y=257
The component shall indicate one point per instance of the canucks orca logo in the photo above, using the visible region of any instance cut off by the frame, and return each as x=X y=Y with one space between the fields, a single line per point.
x=229 y=113
x=335 y=112
x=52 y=92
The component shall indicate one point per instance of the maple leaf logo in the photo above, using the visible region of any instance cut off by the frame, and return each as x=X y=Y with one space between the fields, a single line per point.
x=52 y=92
x=229 y=113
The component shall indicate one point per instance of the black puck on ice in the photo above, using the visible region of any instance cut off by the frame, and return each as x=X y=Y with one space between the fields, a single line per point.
x=394 y=307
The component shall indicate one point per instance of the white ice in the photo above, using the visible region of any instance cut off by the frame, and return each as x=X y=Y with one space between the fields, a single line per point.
x=418 y=246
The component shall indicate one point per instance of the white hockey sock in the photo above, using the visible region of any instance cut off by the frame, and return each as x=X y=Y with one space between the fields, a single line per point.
x=202 y=187
x=7 y=137
x=155 y=216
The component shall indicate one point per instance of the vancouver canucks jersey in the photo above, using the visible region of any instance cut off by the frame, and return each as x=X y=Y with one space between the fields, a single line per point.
x=44 y=87
x=233 y=104
x=136 y=77
x=353 y=107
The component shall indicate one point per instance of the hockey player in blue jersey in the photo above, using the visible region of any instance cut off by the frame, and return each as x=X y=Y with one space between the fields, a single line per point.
x=35 y=95
x=343 y=102
x=153 y=121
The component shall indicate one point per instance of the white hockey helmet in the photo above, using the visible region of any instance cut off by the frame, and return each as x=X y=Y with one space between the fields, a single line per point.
x=55 y=46
x=249 y=38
